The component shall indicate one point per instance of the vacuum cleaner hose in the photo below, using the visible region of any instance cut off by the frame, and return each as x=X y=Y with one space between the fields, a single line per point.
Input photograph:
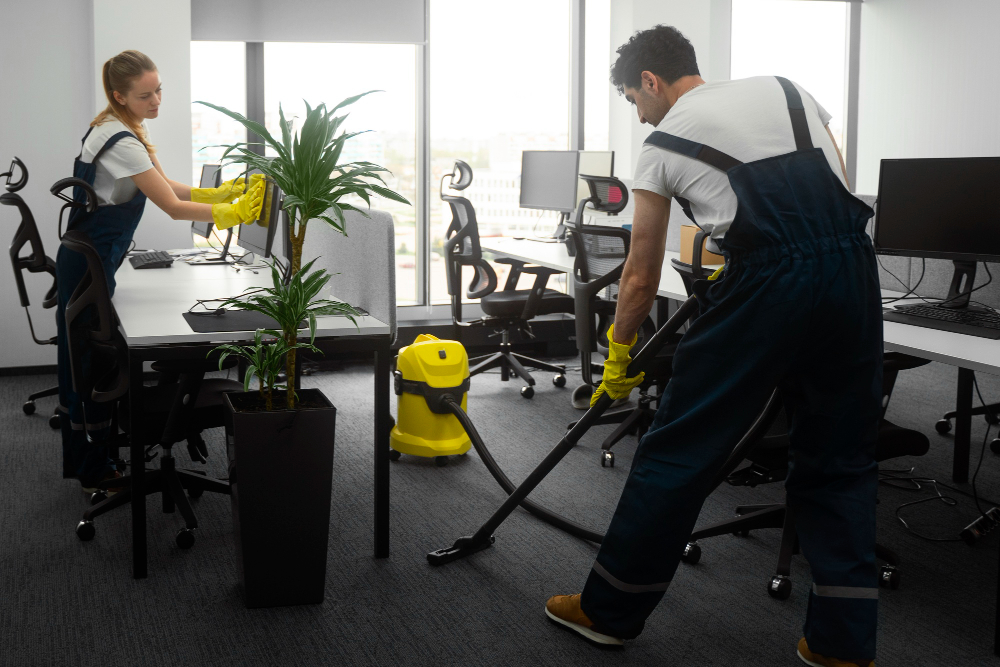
x=542 y=513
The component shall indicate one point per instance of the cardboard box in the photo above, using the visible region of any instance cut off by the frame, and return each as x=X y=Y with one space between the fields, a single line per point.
x=687 y=248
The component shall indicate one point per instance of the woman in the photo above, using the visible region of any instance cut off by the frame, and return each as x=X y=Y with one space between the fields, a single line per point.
x=120 y=163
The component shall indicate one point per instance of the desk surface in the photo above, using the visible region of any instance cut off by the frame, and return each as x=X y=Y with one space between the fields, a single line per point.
x=554 y=256
x=978 y=354
x=150 y=303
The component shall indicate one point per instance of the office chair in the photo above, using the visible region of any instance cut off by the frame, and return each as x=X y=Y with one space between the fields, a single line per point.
x=171 y=410
x=508 y=310
x=35 y=262
x=768 y=462
x=600 y=257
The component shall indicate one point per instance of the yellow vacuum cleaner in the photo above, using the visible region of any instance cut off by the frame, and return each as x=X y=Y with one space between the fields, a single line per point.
x=426 y=371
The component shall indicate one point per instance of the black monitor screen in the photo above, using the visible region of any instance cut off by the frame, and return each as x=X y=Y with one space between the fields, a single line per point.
x=549 y=180
x=211 y=177
x=257 y=236
x=939 y=207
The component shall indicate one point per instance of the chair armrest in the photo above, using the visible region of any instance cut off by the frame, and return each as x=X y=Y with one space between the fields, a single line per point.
x=537 y=292
x=516 y=267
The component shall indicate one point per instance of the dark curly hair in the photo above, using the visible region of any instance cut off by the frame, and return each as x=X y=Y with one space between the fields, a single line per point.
x=662 y=50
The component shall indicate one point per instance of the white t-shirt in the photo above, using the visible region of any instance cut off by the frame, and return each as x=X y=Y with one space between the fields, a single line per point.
x=746 y=119
x=128 y=157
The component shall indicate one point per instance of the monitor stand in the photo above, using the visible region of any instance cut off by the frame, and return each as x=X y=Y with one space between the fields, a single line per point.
x=221 y=259
x=962 y=282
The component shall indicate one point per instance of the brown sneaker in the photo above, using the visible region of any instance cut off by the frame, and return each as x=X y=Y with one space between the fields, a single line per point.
x=817 y=660
x=565 y=611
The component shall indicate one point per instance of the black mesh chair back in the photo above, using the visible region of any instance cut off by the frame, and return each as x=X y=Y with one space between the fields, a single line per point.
x=600 y=258
x=27 y=255
x=461 y=246
x=92 y=325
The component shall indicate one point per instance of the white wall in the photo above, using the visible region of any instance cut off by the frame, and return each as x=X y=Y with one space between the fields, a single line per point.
x=48 y=99
x=117 y=27
x=705 y=22
x=51 y=92
x=930 y=83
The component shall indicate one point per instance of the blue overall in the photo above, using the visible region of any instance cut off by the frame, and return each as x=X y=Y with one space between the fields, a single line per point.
x=110 y=228
x=798 y=308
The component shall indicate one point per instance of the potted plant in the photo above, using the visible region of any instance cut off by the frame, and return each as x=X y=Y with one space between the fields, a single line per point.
x=280 y=440
x=306 y=168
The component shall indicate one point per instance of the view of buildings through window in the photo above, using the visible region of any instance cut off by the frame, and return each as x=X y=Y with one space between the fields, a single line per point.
x=492 y=96
x=802 y=41
x=209 y=128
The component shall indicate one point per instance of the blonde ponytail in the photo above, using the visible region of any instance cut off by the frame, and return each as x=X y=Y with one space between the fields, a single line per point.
x=119 y=74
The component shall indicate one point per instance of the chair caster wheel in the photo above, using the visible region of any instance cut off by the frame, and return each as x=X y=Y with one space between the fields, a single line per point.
x=692 y=553
x=527 y=392
x=97 y=497
x=55 y=423
x=943 y=426
x=559 y=380
x=995 y=446
x=185 y=538
x=888 y=577
x=29 y=408
x=780 y=587
x=195 y=492
x=440 y=461
x=607 y=459
x=991 y=418
x=85 y=531
x=394 y=455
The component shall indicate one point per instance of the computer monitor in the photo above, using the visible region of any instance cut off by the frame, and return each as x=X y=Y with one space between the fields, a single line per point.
x=258 y=236
x=594 y=163
x=549 y=180
x=211 y=177
x=943 y=208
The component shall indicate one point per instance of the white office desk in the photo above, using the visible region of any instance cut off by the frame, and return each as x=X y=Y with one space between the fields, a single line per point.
x=555 y=256
x=150 y=304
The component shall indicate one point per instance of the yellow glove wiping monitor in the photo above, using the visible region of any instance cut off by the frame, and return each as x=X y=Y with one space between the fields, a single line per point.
x=245 y=209
x=225 y=193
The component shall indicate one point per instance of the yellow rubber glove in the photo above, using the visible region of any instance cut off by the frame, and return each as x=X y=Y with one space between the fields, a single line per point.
x=614 y=381
x=245 y=209
x=226 y=192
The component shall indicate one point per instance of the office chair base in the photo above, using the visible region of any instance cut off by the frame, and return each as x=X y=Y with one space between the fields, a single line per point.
x=512 y=364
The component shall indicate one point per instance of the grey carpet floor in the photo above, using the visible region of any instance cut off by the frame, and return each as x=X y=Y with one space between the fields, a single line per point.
x=64 y=602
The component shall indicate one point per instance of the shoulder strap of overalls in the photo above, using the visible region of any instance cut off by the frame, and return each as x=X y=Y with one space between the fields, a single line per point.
x=115 y=138
x=83 y=141
x=797 y=112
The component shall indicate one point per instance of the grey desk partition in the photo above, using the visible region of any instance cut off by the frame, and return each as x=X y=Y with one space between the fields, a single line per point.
x=363 y=263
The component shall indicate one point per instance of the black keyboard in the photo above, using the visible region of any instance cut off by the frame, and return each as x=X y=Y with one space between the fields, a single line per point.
x=154 y=259
x=983 y=324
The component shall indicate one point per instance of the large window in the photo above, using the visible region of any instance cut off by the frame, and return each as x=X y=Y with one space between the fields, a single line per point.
x=328 y=73
x=803 y=41
x=597 y=75
x=499 y=85
x=210 y=128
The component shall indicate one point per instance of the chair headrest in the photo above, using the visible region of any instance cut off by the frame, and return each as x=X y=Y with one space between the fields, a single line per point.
x=461 y=175
x=607 y=193
x=16 y=166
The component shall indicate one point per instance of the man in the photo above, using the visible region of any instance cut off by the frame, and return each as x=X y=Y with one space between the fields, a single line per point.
x=797 y=308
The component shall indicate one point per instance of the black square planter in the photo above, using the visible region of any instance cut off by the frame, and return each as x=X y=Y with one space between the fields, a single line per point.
x=280 y=473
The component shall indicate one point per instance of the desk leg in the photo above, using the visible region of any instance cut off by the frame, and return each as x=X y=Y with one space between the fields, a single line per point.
x=382 y=353
x=963 y=425
x=137 y=458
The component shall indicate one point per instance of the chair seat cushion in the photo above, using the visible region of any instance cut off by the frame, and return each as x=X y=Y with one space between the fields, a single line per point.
x=510 y=303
